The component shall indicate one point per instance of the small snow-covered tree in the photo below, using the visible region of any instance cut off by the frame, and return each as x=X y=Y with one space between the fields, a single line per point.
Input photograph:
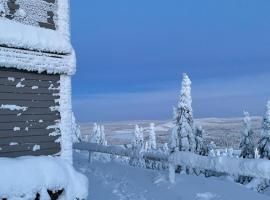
x=183 y=120
x=137 y=147
x=103 y=140
x=95 y=134
x=264 y=142
x=152 y=140
x=247 y=144
x=200 y=147
x=76 y=130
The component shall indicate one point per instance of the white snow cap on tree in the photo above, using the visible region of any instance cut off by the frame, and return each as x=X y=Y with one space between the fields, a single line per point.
x=152 y=142
x=183 y=119
x=264 y=143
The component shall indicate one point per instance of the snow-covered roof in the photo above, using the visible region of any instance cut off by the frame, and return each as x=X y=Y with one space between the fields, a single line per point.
x=36 y=48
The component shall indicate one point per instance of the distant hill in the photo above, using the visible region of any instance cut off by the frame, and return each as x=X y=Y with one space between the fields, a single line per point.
x=225 y=132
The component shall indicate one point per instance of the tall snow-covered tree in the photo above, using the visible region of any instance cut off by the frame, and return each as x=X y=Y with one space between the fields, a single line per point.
x=183 y=120
x=264 y=142
x=76 y=130
x=247 y=144
x=137 y=147
x=152 y=141
x=263 y=150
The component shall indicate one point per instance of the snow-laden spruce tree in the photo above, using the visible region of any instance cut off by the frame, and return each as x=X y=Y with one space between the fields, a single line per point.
x=263 y=150
x=182 y=137
x=200 y=147
x=264 y=142
x=95 y=134
x=103 y=140
x=137 y=148
x=152 y=140
x=76 y=130
x=247 y=145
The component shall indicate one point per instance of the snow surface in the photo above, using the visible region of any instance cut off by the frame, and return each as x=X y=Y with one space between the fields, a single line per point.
x=32 y=175
x=115 y=181
x=32 y=38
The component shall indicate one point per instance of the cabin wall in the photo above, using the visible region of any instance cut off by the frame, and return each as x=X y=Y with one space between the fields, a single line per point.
x=29 y=113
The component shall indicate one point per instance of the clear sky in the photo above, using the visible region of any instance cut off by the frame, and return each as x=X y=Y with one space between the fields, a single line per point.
x=131 y=55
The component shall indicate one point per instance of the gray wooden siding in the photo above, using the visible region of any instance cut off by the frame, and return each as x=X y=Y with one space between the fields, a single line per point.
x=33 y=130
x=41 y=13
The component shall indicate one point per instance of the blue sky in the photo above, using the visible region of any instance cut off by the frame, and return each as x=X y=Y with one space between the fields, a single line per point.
x=131 y=56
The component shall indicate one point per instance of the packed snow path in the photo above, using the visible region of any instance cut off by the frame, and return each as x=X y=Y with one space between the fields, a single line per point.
x=116 y=181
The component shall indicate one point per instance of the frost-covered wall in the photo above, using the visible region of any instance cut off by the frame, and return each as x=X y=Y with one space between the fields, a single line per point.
x=66 y=117
x=36 y=36
x=40 y=13
x=37 y=39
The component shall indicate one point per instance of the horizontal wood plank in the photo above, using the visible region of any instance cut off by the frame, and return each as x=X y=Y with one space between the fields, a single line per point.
x=31 y=111
x=11 y=81
x=30 y=118
x=5 y=72
x=29 y=133
x=28 y=90
x=42 y=152
x=25 y=96
x=23 y=125
x=25 y=139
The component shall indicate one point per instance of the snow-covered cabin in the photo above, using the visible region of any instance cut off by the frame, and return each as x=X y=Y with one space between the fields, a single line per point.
x=36 y=65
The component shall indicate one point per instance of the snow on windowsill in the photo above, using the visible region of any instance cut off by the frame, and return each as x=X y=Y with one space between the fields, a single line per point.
x=23 y=36
x=24 y=177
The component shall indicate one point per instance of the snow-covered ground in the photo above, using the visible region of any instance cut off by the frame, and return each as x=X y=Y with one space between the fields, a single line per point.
x=225 y=132
x=115 y=181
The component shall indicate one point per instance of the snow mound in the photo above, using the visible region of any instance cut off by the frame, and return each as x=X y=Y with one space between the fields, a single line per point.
x=22 y=178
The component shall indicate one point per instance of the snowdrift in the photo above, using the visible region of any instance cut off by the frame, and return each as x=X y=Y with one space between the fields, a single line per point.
x=22 y=178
